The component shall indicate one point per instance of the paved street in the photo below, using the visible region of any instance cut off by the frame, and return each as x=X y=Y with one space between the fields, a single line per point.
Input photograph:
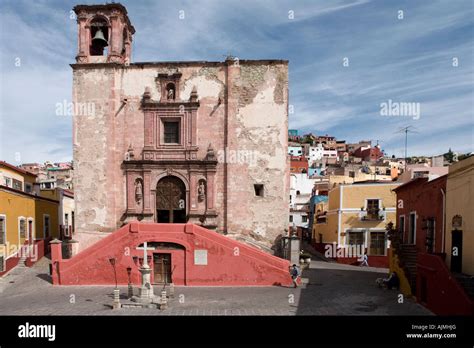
x=331 y=289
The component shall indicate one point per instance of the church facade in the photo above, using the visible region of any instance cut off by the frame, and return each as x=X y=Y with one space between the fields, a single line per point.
x=176 y=142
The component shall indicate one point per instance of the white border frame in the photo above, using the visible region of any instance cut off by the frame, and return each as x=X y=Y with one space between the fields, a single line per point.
x=20 y=218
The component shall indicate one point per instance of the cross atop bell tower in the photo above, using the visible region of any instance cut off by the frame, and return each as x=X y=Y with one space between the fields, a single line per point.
x=105 y=34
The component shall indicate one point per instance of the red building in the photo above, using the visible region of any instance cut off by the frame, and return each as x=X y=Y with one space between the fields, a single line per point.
x=298 y=164
x=372 y=154
x=420 y=246
x=420 y=214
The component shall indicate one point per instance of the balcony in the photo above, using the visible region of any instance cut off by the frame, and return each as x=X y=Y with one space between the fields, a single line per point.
x=372 y=215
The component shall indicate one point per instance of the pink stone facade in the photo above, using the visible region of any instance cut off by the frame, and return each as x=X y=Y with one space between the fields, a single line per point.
x=229 y=159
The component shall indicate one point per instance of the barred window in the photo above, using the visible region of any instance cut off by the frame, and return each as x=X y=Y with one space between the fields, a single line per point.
x=373 y=208
x=171 y=132
x=377 y=243
x=17 y=185
x=355 y=238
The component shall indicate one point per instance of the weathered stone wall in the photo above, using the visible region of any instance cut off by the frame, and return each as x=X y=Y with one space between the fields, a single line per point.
x=249 y=99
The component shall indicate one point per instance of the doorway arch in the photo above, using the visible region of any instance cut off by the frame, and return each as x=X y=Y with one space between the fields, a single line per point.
x=171 y=200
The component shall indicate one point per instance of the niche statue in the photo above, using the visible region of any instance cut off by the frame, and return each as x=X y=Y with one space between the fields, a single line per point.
x=138 y=191
x=201 y=191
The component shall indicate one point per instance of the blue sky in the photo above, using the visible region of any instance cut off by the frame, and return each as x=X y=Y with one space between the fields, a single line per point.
x=404 y=60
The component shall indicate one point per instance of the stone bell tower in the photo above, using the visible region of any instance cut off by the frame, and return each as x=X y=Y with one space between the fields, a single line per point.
x=105 y=34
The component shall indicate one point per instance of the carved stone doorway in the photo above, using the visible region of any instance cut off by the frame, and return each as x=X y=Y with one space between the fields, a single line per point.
x=170 y=200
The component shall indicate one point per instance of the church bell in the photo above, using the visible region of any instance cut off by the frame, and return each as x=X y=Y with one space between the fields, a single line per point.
x=99 y=38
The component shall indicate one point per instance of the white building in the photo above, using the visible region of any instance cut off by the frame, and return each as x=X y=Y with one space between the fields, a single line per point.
x=330 y=154
x=315 y=153
x=300 y=184
x=295 y=150
x=299 y=211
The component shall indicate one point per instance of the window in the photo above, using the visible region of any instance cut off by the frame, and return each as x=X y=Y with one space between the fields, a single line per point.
x=17 y=185
x=22 y=228
x=420 y=174
x=412 y=229
x=355 y=238
x=28 y=188
x=304 y=218
x=377 y=243
x=430 y=235
x=66 y=225
x=72 y=222
x=291 y=218
x=3 y=230
x=373 y=208
x=2 y=263
x=258 y=190
x=401 y=226
x=46 y=227
x=30 y=229
x=298 y=193
x=8 y=182
x=171 y=132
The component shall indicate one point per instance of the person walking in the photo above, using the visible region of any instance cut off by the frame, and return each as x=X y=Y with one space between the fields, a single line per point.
x=365 y=261
x=295 y=273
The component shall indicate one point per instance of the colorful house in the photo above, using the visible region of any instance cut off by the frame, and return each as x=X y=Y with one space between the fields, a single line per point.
x=460 y=217
x=355 y=222
x=420 y=221
x=27 y=221
x=434 y=234
x=298 y=164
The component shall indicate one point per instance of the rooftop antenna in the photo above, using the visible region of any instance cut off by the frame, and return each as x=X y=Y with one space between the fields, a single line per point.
x=406 y=130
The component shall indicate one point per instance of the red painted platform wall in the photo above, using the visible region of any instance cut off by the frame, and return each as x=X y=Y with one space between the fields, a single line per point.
x=12 y=262
x=229 y=263
x=443 y=296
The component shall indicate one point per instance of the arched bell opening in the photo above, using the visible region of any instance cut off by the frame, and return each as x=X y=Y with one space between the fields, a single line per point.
x=99 y=31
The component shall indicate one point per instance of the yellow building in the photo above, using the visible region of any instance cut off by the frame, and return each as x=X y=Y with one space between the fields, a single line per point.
x=25 y=218
x=356 y=219
x=460 y=217
x=66 y=208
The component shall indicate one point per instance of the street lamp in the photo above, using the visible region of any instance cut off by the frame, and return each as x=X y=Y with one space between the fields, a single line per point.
x=116 y=304
x=112 y=262
x=130 y=288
